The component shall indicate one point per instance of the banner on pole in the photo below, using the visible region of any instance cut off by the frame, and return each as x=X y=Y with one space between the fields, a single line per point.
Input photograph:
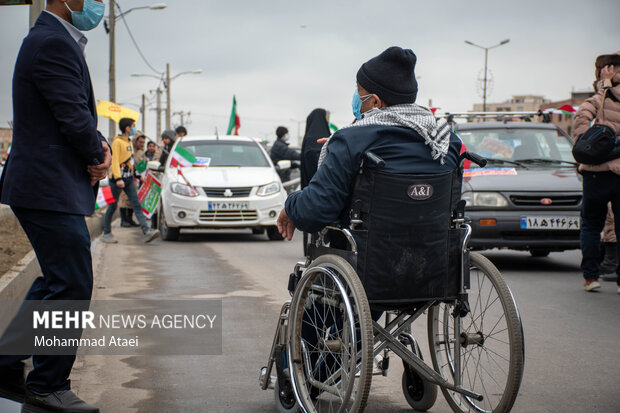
x=149 y=194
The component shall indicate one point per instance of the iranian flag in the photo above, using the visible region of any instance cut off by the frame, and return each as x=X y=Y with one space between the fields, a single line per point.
x=235 y=122
x=567 y=109
x=104 y=197
x=182 y=158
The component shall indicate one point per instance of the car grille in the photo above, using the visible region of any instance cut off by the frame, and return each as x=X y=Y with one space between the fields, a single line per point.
x=556 y=200
x=236 y=192
x=229 y=215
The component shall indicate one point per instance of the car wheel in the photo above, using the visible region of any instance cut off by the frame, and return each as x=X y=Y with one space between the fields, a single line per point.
x=258 y=231
x=539 y=252
x=167 y=233
x=274 y=234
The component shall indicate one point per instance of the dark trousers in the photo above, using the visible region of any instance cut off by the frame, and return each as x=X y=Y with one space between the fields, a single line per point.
x=62 y=245
x=132 y=194
x=599 y=188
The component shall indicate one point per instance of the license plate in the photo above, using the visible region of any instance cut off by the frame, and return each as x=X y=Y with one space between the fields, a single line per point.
x=549 y=223
x=228 y=206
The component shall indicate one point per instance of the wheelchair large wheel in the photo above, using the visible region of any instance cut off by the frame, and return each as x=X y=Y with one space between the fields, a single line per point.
x=331 y=340
x=491 y=340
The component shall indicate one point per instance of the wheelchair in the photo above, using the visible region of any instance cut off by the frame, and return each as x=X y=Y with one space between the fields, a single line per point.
x=402 y=254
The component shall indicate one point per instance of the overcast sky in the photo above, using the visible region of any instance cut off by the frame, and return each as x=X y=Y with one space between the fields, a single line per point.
x=284 y=58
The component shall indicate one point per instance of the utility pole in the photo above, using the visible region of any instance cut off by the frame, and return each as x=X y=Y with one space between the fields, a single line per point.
x=158 y=127
x=143 y=113
x=484 y=92
x=168 y=106
x=112 y=69
x=36 y=8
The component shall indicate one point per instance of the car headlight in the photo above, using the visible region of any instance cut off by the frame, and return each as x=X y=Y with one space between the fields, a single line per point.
x=268 y=189
x=484 y=199
x=182 y=189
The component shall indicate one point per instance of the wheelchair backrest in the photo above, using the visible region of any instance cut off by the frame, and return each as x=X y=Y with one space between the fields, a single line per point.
x=408 y=248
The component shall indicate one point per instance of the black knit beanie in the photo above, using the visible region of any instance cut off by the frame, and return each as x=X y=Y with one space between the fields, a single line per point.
x=391 y=76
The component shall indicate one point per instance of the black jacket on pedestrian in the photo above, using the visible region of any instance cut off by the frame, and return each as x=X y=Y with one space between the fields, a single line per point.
x=280 y=151
x=164 y=153
x=328 y=193
x=316 y=128
x=55 y=135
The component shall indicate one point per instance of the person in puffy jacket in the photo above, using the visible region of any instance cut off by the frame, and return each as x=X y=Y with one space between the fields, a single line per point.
x=601 y=183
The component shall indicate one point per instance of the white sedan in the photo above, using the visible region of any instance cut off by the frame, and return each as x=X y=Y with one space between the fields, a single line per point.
x=239 y=188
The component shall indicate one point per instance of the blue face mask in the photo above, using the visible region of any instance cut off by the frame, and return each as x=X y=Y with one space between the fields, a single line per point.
x=89 y=17
x=133 y=131
x=357 y=104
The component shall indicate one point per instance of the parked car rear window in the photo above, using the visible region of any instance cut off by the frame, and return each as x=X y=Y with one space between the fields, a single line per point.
x=518 y=144
x=227 y=153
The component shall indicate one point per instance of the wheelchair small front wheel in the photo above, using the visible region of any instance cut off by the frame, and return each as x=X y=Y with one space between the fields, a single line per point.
x=285 y=400
x=490 y=343
x=419 y=393
x=331 y=340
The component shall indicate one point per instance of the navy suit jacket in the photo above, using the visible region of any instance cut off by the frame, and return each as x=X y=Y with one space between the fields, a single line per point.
x=55 y=134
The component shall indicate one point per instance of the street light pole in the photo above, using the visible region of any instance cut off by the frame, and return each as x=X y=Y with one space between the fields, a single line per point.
x=112 y=33
x=36 y=8
x=484 y=99
x=143 y=112
x=486 y=55
x=167 y=79
x=112 y=68
x=158 y=127
x=168 y=106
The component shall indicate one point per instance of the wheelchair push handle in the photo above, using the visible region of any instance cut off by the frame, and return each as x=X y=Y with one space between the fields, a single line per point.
x=475 y=158
x=373 y=160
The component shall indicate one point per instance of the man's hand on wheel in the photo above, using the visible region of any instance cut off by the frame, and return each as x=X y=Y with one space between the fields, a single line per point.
x=285 y=226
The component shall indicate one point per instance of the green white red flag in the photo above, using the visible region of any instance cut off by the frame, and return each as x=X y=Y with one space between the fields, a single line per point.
x=564 y=109
x=104 y=197
x=182 y=158
x=234 y=122
x=149 y=194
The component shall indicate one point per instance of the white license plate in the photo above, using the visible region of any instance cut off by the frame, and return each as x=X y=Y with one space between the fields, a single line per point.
x=228 y=206
x=549 y=223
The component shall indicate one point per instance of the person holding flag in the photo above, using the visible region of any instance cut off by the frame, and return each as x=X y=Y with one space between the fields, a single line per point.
x=139 y=157
x=121 y=180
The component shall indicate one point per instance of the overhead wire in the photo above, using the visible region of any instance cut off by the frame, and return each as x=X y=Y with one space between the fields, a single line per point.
x=136 y=43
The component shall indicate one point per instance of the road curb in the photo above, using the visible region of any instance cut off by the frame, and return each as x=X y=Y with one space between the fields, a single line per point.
x=14 y=284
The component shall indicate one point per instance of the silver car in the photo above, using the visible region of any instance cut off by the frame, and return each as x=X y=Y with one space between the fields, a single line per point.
x=528 y=197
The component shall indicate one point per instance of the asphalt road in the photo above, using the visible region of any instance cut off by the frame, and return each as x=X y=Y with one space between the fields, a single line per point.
x=572 y=337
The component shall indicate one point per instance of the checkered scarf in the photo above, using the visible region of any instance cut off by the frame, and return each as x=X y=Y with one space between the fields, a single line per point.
x=412 y=116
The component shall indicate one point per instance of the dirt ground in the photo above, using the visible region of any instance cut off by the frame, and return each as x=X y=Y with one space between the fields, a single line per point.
x=13 y=245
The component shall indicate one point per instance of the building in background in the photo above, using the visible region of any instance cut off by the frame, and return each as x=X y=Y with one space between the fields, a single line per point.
x=518 y=103
x=6 y=135
x=565 y=121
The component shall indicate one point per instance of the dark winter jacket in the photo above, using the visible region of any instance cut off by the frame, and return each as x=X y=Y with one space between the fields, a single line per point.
x=280 y=151
x=327 y=195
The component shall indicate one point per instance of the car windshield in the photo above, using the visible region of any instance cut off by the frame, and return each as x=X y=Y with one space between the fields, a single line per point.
x=227 y=152
x=519 y=144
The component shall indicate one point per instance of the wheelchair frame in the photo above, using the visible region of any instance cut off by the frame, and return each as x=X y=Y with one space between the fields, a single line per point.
x=419 y=379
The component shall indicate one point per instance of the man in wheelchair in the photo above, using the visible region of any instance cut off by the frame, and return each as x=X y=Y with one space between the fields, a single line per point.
x=389 y=124
x=391 y=182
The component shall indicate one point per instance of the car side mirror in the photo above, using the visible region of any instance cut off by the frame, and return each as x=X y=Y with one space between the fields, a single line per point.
x=284 y=165
x=155 y=166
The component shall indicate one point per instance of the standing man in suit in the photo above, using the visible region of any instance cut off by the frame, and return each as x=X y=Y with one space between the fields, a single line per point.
x=51 y=180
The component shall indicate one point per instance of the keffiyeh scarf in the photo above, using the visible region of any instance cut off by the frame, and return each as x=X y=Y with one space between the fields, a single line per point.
x=413 y=116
